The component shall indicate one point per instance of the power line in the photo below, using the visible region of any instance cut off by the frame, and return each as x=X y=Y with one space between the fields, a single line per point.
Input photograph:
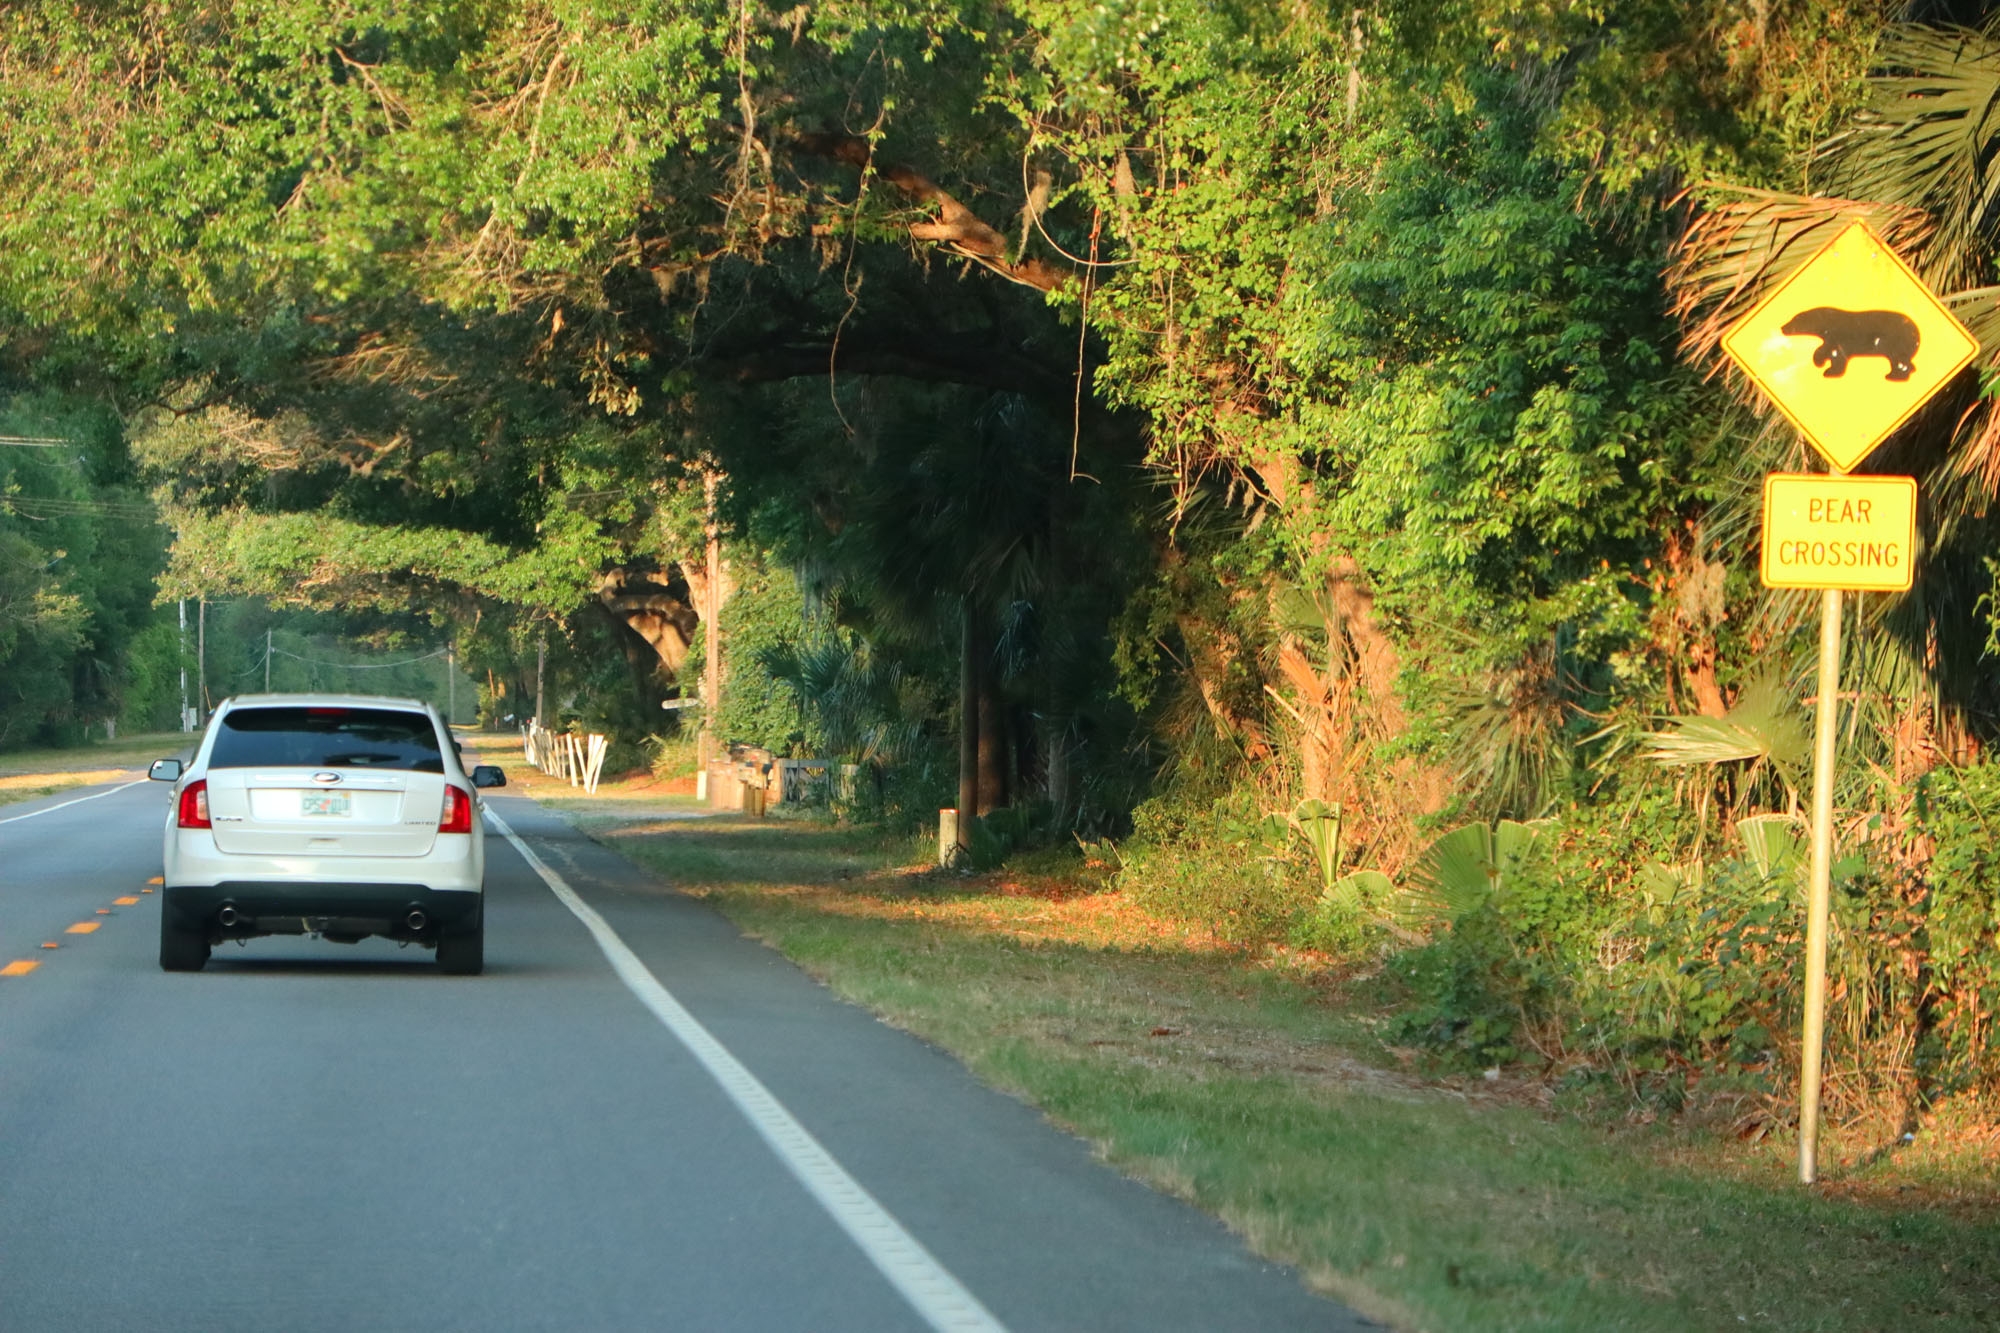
x=359 y=666
x=33 y=441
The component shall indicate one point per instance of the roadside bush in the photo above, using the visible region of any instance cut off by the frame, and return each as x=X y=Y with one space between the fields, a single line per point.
x=1475 y=993
x=1243 y=874
x=1624 y=950
x=675 y=755
x=1959 y=811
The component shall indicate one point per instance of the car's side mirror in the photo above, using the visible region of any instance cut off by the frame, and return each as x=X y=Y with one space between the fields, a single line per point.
x=488 y=775
x=165 y=770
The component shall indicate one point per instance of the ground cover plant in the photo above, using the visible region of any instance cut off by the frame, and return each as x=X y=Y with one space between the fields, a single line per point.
x=1264 y=1086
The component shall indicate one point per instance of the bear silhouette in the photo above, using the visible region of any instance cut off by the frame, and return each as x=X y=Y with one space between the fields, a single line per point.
x=1844 y=334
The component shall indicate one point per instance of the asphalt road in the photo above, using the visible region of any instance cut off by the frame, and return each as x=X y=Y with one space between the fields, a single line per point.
x=313 y=1136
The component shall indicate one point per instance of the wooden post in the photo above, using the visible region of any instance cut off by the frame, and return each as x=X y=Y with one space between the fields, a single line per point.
x=947 y=836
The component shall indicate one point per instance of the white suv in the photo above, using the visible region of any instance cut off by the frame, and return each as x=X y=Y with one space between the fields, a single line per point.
x=341 y=816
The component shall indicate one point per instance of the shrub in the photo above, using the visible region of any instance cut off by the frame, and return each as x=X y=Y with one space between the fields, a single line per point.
x=1243 y=874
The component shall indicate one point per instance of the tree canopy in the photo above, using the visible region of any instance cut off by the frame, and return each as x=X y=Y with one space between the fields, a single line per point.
x=1215 y=411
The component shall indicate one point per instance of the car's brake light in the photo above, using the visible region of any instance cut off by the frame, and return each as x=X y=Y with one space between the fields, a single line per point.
x=457 y=816
x=194 y=805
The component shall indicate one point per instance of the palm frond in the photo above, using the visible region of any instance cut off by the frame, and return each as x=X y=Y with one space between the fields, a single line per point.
x=1765 y=725
x=1464 y=870
x=1925 y=140
x=1774 y=844
x=1974 y=460
x=1748 y=242
x=1454 y=876
x=1358 y=891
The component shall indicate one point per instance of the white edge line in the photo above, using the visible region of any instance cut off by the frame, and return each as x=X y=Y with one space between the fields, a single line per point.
x=938 y=1297
x=11 y=819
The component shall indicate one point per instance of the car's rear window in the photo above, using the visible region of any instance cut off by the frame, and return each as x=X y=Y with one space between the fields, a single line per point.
x=330 y=737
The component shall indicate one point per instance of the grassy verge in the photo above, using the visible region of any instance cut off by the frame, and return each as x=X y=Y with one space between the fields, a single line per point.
x=27 y=786
x=26 y=774
x=1256 y=1088
x=130 y=752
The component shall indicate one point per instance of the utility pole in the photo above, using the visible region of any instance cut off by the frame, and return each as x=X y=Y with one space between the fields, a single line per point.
x=541 y=664
x=450 y=687
x=711 y=615
x=267 y=659
x=201 y=652
x=187 y=723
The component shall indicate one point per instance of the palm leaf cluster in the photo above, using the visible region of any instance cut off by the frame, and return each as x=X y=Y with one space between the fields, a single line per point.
x=1920 y=164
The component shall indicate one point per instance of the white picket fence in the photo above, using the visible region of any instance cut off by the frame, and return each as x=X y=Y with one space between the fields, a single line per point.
x=579 y=760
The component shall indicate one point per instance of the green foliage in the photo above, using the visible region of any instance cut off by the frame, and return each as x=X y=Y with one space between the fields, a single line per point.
x=1961 y=931
x=761 y=622
x=79 y=547
x=1224 y=865
x=1505 y=426
x=1347 y=918
x=437 y=317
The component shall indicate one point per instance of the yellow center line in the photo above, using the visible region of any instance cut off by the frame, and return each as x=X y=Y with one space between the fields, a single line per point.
x=83 y=927
x=123 y=902
x=19 y=968
x=156 y=880
x=104 y=911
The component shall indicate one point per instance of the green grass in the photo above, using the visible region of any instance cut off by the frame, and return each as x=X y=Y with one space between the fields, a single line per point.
x=126 y=752
x=1261 y=1094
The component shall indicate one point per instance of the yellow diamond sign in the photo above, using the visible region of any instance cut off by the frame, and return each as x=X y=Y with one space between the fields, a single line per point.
x=1850 y=346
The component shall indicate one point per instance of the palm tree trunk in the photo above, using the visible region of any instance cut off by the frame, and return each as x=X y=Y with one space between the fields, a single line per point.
x=1055 y=768
x=971 y=656
x=992 y=745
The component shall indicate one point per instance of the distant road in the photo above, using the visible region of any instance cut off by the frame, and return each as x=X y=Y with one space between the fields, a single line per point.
x=309 y=1136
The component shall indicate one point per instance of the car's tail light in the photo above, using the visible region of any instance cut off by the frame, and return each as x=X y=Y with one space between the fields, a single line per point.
x=457 y=816
x=194 y=805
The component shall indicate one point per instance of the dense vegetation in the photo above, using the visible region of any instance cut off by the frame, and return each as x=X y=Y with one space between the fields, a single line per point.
x=1287 y=440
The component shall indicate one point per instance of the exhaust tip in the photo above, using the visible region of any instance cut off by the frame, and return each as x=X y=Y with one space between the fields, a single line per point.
x=228 y=916
x=416 y=920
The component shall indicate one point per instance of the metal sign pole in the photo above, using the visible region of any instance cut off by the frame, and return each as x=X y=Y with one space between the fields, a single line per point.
x=1820 y=889
x=1856 y=299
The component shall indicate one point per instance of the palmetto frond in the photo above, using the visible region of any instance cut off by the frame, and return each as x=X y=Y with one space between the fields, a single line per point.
x=1765 y=726
x=1464 y=870
x=1748 y=242
x=1929 y=139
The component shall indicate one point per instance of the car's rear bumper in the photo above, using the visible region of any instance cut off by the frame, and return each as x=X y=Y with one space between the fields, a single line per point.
x=455 y=862
x=243 y=909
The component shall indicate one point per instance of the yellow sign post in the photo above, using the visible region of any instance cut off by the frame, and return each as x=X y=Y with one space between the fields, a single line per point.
x=1854 y=533
x=1848 y=348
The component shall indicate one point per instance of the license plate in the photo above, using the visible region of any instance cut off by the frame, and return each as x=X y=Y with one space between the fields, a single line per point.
x=323 y=803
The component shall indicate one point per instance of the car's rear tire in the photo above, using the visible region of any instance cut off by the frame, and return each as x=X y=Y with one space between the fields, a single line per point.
x=462 y=952
x=180 y=950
